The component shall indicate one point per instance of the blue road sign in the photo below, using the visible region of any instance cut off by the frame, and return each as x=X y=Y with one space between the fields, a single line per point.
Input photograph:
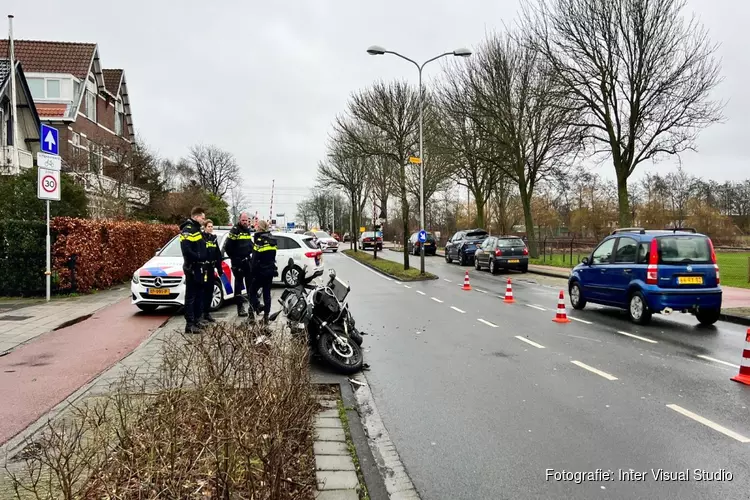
x=290 y=225
x=49 y=137
x=422 y=236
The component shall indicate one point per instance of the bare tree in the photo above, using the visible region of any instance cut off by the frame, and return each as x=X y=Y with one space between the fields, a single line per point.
x=382 y=121
x=215 y=169
x=522 y=115
x=238 y=202
x=384 y=181
x=305 y=212
x=642 y=73
x=350 y=173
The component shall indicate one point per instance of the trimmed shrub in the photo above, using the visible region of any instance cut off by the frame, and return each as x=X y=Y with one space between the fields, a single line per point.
x=106 y=251
x=22 y=257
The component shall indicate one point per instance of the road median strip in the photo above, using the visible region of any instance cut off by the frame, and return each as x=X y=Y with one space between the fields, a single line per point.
x=390 y=269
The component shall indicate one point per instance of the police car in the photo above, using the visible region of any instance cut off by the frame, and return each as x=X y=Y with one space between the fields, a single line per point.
x=161 y=280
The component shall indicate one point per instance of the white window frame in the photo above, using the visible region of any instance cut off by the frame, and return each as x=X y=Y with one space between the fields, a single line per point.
x=92 y=91
x=59 y=88
x=118 y=117
x=96 y=151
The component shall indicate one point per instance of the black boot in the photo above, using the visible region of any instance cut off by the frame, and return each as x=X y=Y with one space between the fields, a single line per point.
x=241 y=311
x=191 y=327
x=208 y=318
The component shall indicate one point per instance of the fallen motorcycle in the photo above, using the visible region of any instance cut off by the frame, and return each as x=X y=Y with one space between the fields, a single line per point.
x=322 y=312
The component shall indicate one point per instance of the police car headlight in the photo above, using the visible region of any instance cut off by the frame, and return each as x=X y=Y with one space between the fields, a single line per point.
x=136 y=279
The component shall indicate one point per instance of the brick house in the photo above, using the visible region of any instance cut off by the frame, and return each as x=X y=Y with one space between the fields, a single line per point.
x=90 y=107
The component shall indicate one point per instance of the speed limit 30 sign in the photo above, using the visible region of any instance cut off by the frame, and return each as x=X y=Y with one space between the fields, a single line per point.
x=48 y=185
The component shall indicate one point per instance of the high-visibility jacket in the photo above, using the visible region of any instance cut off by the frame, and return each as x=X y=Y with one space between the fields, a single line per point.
x=264 y=255
x=192 y=243
x=214 y=252
x=239 y=246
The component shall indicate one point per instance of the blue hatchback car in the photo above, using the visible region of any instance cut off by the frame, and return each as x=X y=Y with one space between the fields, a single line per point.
x=651 y=271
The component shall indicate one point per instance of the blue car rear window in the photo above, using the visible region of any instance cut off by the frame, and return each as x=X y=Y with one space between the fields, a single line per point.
x=684 y=250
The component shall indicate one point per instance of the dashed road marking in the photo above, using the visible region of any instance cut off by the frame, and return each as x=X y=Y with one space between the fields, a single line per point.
x=458 y=310
x=446 y=279
x=398 y=283
x=436 y=300
x=709 y=423
x=581 y=320
x=530 y=342
x=594 y=370
x=536 y=307
x=650 y=341
x=709 y=358
x=407 y=286
x=480 y=291
x=420 y=292
x=487 y=323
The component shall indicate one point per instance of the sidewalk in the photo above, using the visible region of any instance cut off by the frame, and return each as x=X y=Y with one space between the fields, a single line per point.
x=336 y=474
x=22 y=320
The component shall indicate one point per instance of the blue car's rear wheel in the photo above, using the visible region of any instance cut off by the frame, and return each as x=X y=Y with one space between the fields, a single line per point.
x=638 y=309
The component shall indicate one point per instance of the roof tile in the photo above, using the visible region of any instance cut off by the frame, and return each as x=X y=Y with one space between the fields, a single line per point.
x=49 y=110
x=112 y=79
x=53 y=57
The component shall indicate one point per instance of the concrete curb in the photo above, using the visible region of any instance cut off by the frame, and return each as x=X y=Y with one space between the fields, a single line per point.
x=393 y=277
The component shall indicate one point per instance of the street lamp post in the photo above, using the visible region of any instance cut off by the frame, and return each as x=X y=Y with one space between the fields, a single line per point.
x=376 y=50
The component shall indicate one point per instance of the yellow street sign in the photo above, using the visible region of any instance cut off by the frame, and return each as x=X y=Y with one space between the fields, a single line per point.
x=362 y=229
x=415 y=159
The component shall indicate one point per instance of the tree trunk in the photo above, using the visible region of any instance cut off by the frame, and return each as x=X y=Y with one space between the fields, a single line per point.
x=405 y=216
x=623 y=201
x=529 y=221
x=479 y=202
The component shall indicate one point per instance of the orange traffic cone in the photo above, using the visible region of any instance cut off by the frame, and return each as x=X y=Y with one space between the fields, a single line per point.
x=509 y=293
x=561 y=316
x=467 y=285
x=744 y=376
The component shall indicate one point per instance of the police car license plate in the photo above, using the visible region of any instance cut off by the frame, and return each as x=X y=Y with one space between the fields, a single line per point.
x=158 y=291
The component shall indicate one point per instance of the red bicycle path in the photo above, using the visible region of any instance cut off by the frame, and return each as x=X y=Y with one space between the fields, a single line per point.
x=37 y=376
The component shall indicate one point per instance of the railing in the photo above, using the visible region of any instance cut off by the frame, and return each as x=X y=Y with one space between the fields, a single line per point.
x=8 y=162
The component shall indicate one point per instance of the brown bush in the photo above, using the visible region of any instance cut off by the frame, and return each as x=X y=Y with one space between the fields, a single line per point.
x=108 y=251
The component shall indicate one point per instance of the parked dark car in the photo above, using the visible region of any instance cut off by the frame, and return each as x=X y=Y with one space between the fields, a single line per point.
x=430 y=246
x=463 y=244
x=651 y=271
x=502 y=252
x=369 y=239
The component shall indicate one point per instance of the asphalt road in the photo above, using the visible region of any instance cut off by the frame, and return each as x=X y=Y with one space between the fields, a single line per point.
x=481 y=398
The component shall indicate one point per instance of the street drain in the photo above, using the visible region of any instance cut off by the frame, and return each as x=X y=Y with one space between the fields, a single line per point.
x=14 y=318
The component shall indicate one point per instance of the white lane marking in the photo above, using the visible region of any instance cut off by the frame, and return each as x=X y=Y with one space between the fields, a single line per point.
x=386 y=277
x=407 y=286
x=637 y=337
x=580 y=320
x=480 y=291
x=594 y=370
x=530 y=342
x=436 y=300
x=487 y=323
x=398 y=283
x=420 y=292
x=446 y=279
x=536 y=307
x=709 y=358
x=458 y=310
x=709 y=423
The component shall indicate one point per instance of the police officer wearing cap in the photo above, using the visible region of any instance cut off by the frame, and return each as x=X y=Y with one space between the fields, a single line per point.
x=239 y=248
x=195 y=263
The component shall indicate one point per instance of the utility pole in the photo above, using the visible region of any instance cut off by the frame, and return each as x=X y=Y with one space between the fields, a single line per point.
x=13 y=98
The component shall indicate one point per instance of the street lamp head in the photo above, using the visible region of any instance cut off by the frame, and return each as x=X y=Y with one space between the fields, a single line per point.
x=462 y=52
x=375 y=50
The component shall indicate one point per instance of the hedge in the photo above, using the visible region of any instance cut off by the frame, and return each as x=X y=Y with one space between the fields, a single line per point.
x=22 y=257
x=106 y=251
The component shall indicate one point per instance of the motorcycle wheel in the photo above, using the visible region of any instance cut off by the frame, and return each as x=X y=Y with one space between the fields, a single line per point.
x=343 y=364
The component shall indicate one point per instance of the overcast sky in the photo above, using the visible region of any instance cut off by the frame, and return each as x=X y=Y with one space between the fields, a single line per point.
x=264 y=80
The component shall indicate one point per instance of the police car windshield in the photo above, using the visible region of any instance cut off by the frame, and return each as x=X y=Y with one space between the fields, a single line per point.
x=172 y=249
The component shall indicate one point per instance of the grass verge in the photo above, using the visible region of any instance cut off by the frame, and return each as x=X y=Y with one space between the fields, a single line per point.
x=363 y=494
x=393 y=269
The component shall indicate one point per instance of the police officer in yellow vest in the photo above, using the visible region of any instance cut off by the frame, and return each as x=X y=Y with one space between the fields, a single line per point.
x=214 y=257
x=195 y=257
x=239 y=248
x=264 y=269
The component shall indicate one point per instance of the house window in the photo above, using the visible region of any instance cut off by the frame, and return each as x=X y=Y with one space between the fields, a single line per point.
x=91 y=99
x=53 y=89
x=36 y=85
x=95 y=159
x=118 y=117
x=76 y=139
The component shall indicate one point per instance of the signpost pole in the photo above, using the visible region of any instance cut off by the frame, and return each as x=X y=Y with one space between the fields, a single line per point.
x=49 y=259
